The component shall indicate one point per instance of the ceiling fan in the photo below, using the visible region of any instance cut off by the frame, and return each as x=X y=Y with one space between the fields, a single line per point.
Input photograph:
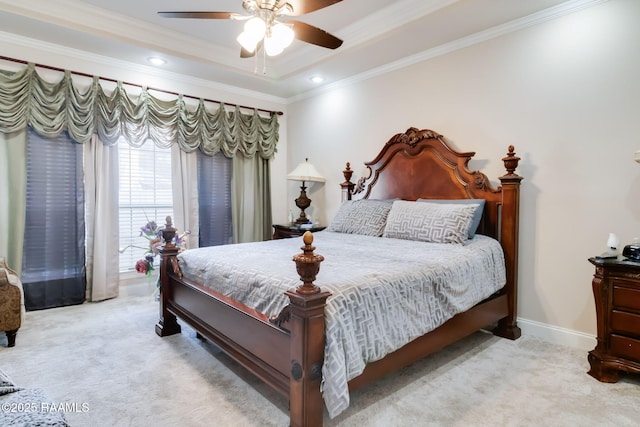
x=263 y=27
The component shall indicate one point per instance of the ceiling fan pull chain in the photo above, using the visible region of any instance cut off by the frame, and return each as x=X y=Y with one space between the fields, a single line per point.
x=264 y=62
x=255 y=65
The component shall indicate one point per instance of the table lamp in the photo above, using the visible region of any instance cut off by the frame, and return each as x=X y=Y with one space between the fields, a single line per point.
x=304 y=172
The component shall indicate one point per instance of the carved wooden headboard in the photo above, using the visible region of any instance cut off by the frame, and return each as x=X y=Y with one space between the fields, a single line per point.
x=421 y=164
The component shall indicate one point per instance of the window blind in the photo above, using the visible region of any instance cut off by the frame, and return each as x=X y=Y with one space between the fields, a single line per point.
x=214 y=199
x=53 y=272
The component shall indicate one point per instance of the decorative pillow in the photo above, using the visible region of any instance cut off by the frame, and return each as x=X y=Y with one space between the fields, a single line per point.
x=429 y=222
x=477 y=216
x=366 y=216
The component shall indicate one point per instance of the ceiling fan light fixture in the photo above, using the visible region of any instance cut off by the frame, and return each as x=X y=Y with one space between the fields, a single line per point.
x=280 y=37
x=272 y=47
x=255 y=28
x=247 y=42
x=250 y=5
x=285 y=9
x=284 y=33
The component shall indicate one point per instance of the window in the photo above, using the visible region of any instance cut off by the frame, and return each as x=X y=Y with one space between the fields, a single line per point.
x=145 y=195
x=53 y=264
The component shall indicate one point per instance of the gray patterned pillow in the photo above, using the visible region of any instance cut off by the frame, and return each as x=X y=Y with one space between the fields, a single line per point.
x=429 y=222
x=367 y=217
x=477 y=216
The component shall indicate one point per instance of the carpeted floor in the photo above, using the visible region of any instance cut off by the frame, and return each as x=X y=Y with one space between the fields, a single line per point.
x=105 y=360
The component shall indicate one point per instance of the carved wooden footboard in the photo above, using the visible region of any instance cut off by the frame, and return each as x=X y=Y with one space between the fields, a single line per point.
x=287 y=352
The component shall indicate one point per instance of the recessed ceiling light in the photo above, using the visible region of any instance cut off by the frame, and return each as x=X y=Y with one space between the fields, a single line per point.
x=156 y=61
x=317 y=79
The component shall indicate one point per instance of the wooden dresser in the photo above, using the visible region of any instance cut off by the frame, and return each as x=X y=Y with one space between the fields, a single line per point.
x=616 y=289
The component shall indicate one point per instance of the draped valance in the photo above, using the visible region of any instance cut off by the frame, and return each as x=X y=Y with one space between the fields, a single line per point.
x=26 y=99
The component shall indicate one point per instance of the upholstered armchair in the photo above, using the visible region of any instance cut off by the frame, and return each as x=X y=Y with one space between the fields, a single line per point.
x=11 y=302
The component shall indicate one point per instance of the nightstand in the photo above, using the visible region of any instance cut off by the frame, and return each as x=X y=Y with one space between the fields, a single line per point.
x=616 y=289
x=287 y=231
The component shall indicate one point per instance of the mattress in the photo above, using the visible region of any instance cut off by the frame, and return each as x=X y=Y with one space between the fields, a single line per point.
x=385 y=292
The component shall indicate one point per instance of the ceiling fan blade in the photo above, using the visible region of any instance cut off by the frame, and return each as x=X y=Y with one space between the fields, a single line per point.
x=314 y=35
x=300 y=7
x=244 y=53
x=199 y=15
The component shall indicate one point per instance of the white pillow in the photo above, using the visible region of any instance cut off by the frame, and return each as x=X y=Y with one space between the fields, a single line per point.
x=429 y=222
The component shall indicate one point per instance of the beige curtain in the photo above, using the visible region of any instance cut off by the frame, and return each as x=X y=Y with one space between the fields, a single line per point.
x=54 y=107
x=13 y=184
x=184 y=181
x=250 y=199
x=102 y=223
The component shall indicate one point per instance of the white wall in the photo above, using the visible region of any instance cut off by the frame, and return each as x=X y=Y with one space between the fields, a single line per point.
x=565 y=92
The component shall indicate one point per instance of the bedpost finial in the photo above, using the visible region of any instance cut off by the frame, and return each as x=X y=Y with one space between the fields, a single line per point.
x=347 y=172
x=168 y=233
x=307 y=239
x=307 y=265
x=347 y=185
x=511 y=161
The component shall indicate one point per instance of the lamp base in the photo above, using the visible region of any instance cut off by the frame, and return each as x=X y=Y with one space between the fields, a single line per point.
x=302 y=219
x=303 y=202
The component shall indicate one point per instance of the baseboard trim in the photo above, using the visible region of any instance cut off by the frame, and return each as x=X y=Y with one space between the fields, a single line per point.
x=557 y=335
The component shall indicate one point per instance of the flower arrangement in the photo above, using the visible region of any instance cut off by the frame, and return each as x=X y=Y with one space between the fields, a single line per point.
x=153 y=234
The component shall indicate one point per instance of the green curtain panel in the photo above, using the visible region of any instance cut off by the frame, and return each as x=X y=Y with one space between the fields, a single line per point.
x=52 y=108
x=13 y=188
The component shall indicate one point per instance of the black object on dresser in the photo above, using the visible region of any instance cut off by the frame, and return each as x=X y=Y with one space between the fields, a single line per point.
x=286 y=231
x=616 y=289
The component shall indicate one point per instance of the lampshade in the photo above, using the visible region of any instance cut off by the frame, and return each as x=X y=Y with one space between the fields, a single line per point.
x=305 y=171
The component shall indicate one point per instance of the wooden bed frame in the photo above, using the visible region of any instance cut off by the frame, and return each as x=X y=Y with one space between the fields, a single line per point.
x=287 y=352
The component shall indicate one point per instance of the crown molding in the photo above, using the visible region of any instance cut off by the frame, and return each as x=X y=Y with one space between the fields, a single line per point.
x=497 y=31
x=390 y=18
x=105 y=61
x=89 y=19
x=393 y=16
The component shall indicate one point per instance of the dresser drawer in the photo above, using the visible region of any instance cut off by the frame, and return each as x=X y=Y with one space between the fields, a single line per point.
x=626 y=297
x=626 y=347
x=625 y=322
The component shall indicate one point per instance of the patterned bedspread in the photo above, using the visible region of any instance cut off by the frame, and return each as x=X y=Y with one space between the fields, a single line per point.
x=385 y=292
